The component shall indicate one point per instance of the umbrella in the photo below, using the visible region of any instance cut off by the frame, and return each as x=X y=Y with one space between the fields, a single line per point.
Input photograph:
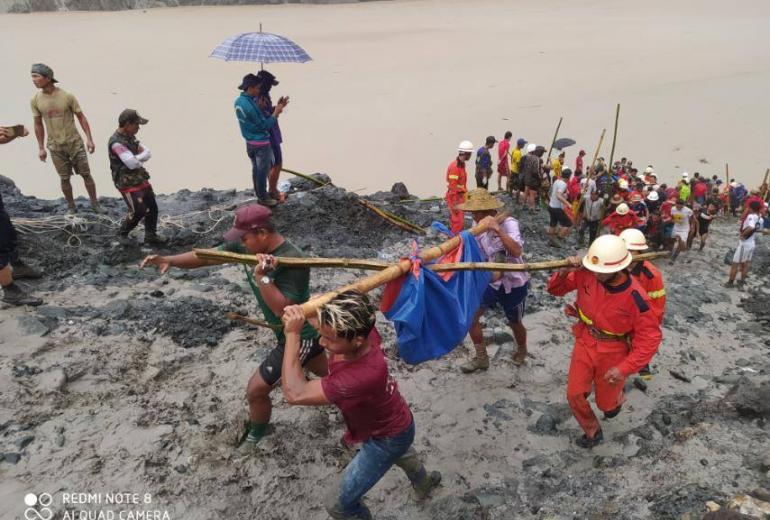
x=563 y=142
x=260 y=46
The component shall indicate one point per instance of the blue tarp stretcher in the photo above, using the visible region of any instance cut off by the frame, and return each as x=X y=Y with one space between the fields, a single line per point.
x=431 y=311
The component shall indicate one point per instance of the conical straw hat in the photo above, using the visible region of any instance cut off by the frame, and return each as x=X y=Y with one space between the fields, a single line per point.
x=480 y=200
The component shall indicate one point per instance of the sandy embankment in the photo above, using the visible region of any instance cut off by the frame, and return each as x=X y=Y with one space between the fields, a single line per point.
x=130 y=382
x=396 y=85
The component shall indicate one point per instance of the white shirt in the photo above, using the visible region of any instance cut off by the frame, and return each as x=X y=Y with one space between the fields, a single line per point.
x=752 y=221
x=681 y=218
x=559 y=187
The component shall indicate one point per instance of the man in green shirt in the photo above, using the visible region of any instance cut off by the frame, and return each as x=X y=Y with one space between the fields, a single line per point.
x=274 y=288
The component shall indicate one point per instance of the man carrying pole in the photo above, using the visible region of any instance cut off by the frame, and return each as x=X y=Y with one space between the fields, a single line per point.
x=617 y=333
x=502 y=243
x=275 y=288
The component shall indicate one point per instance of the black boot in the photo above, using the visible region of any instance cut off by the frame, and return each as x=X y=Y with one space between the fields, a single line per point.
x=15 y=295
x=585 y=442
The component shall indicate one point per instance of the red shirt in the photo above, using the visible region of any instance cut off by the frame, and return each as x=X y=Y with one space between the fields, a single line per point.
x=618 y=223
x=456 y=178
x=502 y=150
x=579 y=163
x=665 y=209
x=700 y=189
x=622 y=310
x=367 y=395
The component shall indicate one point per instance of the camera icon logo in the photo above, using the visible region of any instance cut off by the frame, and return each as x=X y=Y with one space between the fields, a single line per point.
x=38 y=506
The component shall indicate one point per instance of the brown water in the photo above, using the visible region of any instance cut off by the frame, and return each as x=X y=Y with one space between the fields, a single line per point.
x=394 y=86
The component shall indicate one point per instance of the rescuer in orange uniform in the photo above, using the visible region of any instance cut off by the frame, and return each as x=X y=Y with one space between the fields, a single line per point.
x=616 y=335
x=648 y=277
x=456 y=179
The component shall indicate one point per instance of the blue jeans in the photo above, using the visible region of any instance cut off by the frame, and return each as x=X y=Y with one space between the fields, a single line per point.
x=261 y=162
x=373 y=460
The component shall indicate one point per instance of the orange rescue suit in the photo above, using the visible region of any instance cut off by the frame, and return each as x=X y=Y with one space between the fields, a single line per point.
x=617 y=222
x=617 y=328
x=456 y=180
x=651 y=281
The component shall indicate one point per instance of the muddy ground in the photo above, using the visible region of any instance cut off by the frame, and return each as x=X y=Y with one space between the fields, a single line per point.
x=130 y=382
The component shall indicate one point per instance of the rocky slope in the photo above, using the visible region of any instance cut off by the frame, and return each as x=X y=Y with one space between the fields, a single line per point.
x=126 y=381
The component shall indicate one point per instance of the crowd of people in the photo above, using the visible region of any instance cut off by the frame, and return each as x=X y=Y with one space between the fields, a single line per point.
x=618 y=309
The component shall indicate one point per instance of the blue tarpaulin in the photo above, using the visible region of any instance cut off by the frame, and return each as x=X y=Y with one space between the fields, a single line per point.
x=433 y=315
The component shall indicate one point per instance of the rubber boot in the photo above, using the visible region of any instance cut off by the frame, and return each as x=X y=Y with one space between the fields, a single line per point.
x=479 y=362
x=15 y=295
x=153 y=239
x=422 y=481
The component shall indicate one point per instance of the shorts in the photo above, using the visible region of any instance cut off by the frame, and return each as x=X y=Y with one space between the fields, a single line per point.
x=703 y=229
x=743 y=254
x=69 y=158
x=668 y=230
x=684 y=235
x=558 y=216
x=271 y=366
x=513 y=303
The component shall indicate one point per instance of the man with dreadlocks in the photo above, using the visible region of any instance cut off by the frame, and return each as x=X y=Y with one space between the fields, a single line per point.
x=377 y=416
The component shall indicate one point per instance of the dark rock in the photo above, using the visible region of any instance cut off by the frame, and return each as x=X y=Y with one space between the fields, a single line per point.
x=12 y=458
x=546 y=424
x=157 y=293
x=399 y=189
x=32 y=326
x=52 y=312
x=181 y=468
x=24 y=441
x=750 y=400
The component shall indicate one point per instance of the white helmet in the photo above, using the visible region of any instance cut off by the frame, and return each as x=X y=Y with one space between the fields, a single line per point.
x=635 y=239
x=531 y=147
x=653 y=196
x=622 y=208
x=648 y=170
x=685 y=175
x=623 y=184
x=465 y=146
x=607 y=254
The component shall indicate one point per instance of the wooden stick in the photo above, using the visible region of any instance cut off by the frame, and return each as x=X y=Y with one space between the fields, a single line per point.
x=614 y=137
x=553 y=141
x=727 y=181
x=234 y=316
x=596 y=153
x=764 y=186
x=533 y=266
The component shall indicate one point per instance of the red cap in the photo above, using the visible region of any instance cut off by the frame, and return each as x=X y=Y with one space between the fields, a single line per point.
x=248 y=218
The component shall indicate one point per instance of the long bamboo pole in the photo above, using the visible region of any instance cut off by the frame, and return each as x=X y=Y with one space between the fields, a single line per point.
x=764 y=186
x=532 y=266
x=225 y=257
x=614 y=137
x=596 y=153
x=553 y=141
x=727 y=182
x=234 y=316
x=306 y=177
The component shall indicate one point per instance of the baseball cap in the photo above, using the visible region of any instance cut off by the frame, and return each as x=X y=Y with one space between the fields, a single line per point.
x=521 y=141
x=129 y=116
x=43 y=70
x=249 y=80
x=248 y=218
x=268 y=78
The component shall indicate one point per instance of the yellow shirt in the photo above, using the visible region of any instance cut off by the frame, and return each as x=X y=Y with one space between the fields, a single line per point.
x=556 y=168
x=515 y=160
x=58 y=111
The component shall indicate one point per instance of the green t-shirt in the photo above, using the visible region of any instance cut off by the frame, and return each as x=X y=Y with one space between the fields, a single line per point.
x=294 y=283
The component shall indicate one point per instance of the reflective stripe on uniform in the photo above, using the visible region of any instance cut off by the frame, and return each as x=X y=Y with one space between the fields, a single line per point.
x=657 y=294
x=455 y=177
x=585 y=319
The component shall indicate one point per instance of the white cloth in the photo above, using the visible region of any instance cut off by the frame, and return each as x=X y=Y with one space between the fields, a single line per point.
x=681 y=218
x=752 y=221
x=559 y=188
x=743 y=253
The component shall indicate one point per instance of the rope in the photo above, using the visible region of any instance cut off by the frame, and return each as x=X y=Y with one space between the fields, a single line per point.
x=76 y=225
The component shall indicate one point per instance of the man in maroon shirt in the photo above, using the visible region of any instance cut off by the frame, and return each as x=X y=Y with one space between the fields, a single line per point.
x=377 y=416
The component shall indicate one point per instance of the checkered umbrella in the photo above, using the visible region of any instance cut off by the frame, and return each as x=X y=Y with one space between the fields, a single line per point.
x=260 y=46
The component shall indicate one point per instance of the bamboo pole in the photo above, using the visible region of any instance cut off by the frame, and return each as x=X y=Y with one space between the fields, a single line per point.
x=532 y=266
x=306 y=177
x=614 y=137
x=553 y=141
x=598 y=148
x=225 y=257
x=392 y=217
x=727 y=182
x=394 y=271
